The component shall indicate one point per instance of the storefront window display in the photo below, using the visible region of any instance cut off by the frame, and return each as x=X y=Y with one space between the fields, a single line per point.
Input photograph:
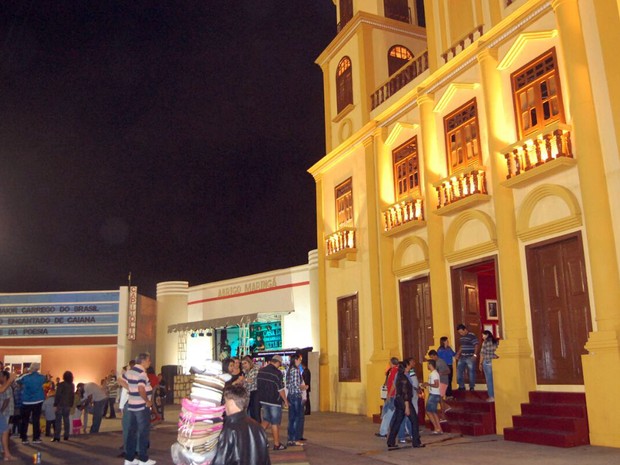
x=262 y=336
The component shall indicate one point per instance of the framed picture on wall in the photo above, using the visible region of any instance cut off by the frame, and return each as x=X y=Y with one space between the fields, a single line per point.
x=491 y=306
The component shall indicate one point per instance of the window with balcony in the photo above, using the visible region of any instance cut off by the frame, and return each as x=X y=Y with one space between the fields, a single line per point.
x=462 y=137
x=536 y=94
x=396 y=9
x=344 y=204
x=398 y=56
x=346 y=13
x=348 y=339
x=406 y=169
x=344 y=84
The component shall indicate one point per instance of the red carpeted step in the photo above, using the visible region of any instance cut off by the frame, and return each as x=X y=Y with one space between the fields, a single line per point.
x=559 y=410
x=541 y=397
x=567 y=424
x=551 y=418
x=544 y=437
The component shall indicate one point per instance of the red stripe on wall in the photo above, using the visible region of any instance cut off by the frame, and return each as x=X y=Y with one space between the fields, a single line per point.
x=59 y=341
x=258 y=291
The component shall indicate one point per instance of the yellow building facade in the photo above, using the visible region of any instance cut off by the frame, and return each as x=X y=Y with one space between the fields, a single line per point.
x=472 y=175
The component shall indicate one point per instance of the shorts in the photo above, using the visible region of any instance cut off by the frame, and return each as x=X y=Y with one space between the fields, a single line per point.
x=3 y=424
x=442 y=390
x=272 y=414
x=432 y=403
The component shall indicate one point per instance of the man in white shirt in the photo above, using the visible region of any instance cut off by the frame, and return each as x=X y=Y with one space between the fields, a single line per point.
x=95 y=394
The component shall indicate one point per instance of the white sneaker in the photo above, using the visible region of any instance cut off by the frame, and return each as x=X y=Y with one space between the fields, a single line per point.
x=131 y=462
x=148 y=462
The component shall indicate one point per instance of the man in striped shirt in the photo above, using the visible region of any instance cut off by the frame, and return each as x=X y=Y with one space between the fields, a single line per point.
x=138 y=411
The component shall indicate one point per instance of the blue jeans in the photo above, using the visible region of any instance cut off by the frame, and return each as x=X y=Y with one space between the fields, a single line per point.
x=405 y=428
x=470 y=363
x=97 y=415
x=295 y=416
x=137 y=433
x=487 y=367
x=386 y=416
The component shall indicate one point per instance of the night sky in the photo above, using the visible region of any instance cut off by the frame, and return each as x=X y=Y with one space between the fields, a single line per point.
x=167 y=138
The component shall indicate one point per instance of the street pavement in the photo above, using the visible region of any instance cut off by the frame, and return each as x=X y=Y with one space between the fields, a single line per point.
x=332 y=439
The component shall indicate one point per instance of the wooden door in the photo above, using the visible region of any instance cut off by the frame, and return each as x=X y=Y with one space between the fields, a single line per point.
x=560 y=309
x=416 y=319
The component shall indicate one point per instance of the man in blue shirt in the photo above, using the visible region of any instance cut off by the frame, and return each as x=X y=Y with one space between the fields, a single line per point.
x=32 y=401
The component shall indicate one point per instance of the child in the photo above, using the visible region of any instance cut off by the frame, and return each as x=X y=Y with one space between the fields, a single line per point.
x=434 y=396
x=49 y=412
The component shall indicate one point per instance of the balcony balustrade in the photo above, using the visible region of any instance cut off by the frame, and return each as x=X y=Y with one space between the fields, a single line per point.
x=404 y=212
x=461 y=185
x=400 y=79
x=462 y=43
x=543 y=147
x=340 y=244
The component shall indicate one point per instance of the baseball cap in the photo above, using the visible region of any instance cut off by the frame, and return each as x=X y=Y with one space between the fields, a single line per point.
x=276 y=358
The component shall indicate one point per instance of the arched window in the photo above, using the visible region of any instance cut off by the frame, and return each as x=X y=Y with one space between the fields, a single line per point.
x=398 y=56
x=344 y=84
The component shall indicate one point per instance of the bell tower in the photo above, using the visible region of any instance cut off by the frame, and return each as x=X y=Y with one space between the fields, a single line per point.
x=375 y=39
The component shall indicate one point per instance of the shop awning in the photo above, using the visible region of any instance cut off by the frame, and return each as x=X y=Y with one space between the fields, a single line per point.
x=223 y=322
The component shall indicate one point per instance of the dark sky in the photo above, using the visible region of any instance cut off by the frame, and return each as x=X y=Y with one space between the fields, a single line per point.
x=166 y=138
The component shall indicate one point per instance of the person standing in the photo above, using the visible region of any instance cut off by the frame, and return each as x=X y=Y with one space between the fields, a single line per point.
x=403 y=407
x=467 y=357
x=433 y=397
x=137 y=413
x=112 y=386
x=4 y=426
x=49 y=412
x=95 y=394
x=446 y=353
x=251 y=372
x=7 y=403
x=444 y=371
x=388 y=406
x=270 y=385
x=63 y=402
x=295 y=386
x=242 y=440
x=307 y=377
x=32 y=401
x=487 y=354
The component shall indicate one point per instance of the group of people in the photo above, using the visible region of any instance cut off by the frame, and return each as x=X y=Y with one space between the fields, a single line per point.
x=254 y=399
x=28 y=398
x=403 y=389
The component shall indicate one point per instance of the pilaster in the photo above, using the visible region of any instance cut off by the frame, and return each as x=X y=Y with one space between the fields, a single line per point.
x=514 y=351
x=433 y=166
x=601 y=363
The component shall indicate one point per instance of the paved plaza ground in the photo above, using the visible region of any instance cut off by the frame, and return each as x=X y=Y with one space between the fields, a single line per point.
x=332 y=439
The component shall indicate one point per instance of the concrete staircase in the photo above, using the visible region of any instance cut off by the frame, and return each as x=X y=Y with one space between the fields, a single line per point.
x=470 y=414
x=553 y=419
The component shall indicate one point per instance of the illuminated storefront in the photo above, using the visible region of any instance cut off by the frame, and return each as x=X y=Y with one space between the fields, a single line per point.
x=85 y=332
x=275 y=310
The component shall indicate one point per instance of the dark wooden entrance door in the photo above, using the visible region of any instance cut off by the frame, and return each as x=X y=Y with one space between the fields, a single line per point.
x=416 y=320
x=560 y=308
